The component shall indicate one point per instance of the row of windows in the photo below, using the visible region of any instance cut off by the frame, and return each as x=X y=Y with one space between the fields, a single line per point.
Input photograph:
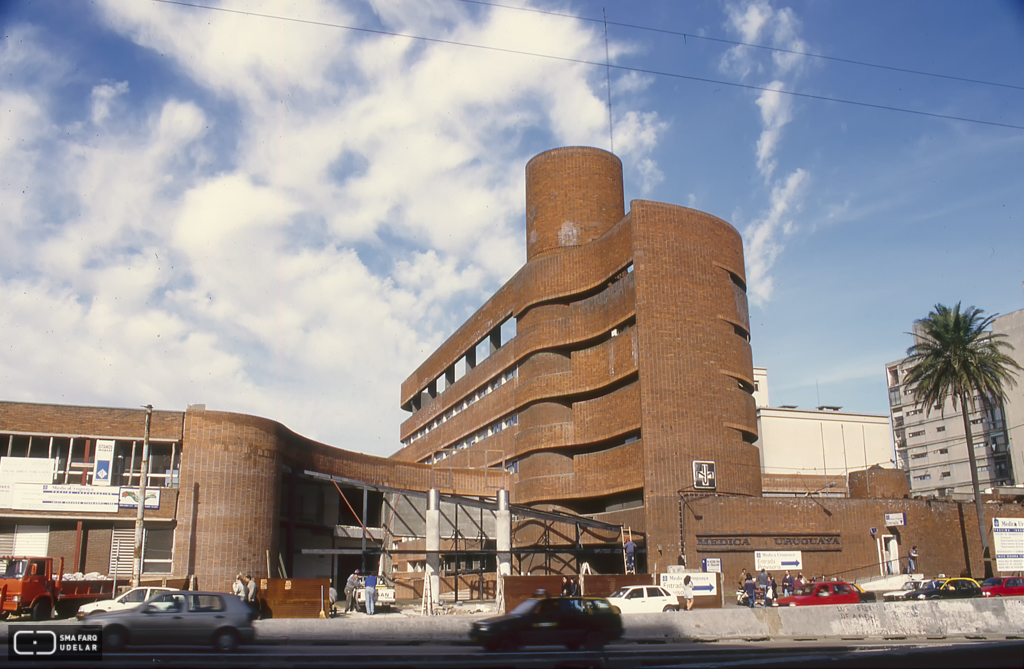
x=458 y=408
x=490 y=430
x=73 y=458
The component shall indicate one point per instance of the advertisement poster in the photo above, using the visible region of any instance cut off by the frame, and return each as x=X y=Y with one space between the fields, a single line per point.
x=1008 y=537
x=103 y=467
x=26 y=470
x=129 y=498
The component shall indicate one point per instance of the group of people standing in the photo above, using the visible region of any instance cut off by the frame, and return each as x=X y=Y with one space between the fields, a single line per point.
x=245 y=589
x=369 y=585
x=763 y=589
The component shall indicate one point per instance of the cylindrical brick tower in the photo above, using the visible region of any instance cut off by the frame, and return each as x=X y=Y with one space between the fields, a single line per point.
x=573 y=196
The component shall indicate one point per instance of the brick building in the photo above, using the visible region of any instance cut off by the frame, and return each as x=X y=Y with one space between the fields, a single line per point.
x=607 y=385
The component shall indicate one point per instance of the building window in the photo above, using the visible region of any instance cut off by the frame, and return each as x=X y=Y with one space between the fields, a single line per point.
x=919 y=433
x=918 y=456
x=941 y=428
x=923 y=477
x=942 y=451
x=946 y=475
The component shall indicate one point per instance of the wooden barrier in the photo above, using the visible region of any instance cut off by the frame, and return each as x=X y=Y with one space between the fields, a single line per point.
x=293 y=597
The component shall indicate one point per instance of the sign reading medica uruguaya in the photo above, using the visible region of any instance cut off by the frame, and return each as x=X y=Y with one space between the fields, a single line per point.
x=1008 y=537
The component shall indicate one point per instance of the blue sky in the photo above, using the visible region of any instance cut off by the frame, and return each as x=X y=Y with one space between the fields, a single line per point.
x=270 y=212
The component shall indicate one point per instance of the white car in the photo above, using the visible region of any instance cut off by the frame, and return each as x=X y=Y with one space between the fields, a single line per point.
x=897 y=595
x=643 y=599
x=128 y=600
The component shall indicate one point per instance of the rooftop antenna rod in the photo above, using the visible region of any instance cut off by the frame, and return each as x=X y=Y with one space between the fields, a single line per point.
x=608 y=74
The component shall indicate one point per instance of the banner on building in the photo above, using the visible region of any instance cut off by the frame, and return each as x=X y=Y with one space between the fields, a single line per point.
x=895 y=519
x=778 y=560
x=26 y=470
x=1008 y=537
x=129 y=498
x=103 y=466
x=704 y=583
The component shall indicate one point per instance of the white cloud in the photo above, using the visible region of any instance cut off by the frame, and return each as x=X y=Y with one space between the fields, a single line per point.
x=293 y=226
x=756 y=21
x=102 y=96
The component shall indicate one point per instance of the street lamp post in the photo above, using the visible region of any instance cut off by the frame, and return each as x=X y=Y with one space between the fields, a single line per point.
x=140 y=513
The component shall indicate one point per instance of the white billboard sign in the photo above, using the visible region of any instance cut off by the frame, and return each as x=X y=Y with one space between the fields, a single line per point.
x=1008 y=537
x=26 y=470
x=777 y=560
x=103 y=466
x=895 y=519
x=35 y=497
x=704 y=583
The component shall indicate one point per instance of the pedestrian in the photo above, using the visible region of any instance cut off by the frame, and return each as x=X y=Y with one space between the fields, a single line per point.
x=630 y=549
x=798 y=582
x=688 y=592
x=748 y=587
x=251 y=595
x=743 y=577
x=769 y=593
x=370 y=592
x=239 y=587
x=912 y=560
x=574 y=587
x=566 y=587
x=351 y=585
x=787 y=584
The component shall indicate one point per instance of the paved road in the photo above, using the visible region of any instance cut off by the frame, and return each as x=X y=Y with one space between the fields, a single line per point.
x=946 y=653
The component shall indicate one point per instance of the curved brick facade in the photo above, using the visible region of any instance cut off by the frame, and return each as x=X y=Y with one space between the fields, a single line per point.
x=631 y=357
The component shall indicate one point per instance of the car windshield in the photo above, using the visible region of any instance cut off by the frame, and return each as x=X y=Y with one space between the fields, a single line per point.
x=526 y=607
x=911 y=585
x=932 y=585
x=993 y=581
x=621 y=592
x=806 y=589
x=15 y=569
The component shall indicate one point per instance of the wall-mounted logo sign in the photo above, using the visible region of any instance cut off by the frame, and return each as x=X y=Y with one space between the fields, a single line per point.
x=103 y=466
x=704 y=474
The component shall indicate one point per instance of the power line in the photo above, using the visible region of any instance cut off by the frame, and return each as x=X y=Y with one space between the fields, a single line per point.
x=806 y=54
x=580 y=61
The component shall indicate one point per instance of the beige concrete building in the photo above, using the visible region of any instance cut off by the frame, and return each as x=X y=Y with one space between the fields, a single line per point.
x=825 y=444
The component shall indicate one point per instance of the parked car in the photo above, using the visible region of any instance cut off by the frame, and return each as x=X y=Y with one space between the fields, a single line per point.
x=816 y=594
x=1003 y=586
x=643 y=599
x=590 y=622
x=127 y=600
x=946 y=588
x=897 y=595
x=179 y=618
x=865 y=595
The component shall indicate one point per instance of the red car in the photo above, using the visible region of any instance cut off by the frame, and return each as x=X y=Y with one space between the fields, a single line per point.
x=1003 y=586
x=814 y=594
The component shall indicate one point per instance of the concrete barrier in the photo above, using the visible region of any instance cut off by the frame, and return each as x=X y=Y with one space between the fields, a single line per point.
x=990 y=618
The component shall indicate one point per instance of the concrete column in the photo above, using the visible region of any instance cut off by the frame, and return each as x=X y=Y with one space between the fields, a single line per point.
x=434 y=542
x=503 y=534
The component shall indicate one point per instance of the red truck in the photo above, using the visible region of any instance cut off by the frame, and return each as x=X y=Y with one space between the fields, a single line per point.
x=28 y=585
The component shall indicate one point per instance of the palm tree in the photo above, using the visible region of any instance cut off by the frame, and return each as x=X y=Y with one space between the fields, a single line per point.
x=956 y=355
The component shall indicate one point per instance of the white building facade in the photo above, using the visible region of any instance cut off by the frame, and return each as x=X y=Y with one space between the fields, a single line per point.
x=931 y=447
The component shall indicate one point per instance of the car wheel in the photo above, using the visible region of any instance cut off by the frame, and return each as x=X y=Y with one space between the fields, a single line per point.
x=42 y=610
x=114 y=639
x=669 y=609
x=510 y=644
x=594 y=641
x=225 y=641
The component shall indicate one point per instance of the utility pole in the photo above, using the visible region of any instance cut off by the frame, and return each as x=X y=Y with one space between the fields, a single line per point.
x=139 y=515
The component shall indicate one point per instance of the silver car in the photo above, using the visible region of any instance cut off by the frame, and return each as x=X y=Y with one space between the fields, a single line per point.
x=179 y=618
